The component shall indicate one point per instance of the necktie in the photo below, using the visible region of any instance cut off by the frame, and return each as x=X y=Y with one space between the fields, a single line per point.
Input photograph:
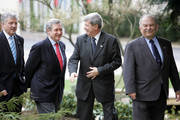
x=93 y=41
x=155 y=52
x=59 y=56
x=13 y=47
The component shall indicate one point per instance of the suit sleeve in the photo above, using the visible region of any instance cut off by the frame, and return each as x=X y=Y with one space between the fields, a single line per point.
x=129 y=70
x=32 y=63
x=174 y=76
x=115 y=61
x=74 y=59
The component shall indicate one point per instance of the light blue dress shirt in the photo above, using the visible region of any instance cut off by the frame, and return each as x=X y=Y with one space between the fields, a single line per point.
x=157 y=45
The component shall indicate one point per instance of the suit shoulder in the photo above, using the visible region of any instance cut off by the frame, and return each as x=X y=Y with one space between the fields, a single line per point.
x=61 y=43
x=164 y=40
x=1 y=33
x=38 y=44
x=134 y=42
x=21 y=39
x=107 y=35
x=81 y=37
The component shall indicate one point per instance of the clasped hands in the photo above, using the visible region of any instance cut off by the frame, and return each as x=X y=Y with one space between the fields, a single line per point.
x=93 y=73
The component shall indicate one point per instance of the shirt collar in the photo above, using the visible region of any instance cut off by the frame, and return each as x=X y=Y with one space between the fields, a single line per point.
x=97 y=36
x=154 y=39
x=52 y=41
x=7 y=35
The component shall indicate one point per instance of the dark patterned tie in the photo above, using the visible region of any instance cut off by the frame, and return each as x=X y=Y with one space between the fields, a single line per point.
x=93 y=41
x=155 y=52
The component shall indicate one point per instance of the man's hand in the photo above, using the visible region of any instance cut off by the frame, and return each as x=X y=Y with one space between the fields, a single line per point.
x=3 y=93
x=178 y=96
x=92 y=73
x=132 y=96
x=73 y=76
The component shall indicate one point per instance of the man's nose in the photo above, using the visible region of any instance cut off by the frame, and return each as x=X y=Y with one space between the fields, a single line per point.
x=14 y=25
x=59 y=32
x=148 y=27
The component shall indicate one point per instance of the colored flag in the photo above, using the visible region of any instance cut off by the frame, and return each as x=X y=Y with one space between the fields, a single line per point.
x=20 y=1
x=56 y=3
x=88 y=1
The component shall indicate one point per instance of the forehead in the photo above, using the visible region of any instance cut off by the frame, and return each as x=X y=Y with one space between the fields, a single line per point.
x=10 y=19
x=87 y=22
x=147 y=20
x=56 y=26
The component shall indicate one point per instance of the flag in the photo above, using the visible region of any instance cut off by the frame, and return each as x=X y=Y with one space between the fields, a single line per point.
x=88 y=1
x=56 y=3
x=20 y=1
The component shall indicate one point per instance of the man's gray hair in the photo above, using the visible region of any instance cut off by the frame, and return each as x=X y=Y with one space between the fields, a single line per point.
x=52 y=22
x=94 y=18
x=148 y=16
x=6 y=16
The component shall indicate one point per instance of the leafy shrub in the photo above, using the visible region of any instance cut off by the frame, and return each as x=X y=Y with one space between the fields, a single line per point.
x=69 y=104
x=68 y=108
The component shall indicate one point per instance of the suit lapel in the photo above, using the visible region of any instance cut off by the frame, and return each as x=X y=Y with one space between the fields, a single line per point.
x=100 y=45
x=89 y=47
x=51 y=53
x=163 y=49
x=18 y=49
x=63 y=54
x=147 y=50
x=6 y=46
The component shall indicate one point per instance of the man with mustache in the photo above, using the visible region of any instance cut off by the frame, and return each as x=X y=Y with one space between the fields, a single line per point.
x=148 y=65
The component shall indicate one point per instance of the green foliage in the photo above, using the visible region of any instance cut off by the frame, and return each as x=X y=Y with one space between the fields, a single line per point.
x=47 y=116
x=69 y=104
x=28 y=103
x=124 y=111
x=11 y=104
x=97 y=109
x=9 y=116
x=167 y=30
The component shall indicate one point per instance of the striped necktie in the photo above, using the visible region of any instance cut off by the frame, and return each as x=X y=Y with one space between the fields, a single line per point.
x=155 y=52
x=13 y=47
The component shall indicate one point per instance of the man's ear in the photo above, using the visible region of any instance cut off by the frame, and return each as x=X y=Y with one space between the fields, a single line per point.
x=139 y=28
x=47 y=31
x=96 y=26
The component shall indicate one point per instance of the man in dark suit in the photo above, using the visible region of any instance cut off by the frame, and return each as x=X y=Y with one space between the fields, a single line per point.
x=12 y=81
x=99 y=55
x=45 y=69
x=148 y=64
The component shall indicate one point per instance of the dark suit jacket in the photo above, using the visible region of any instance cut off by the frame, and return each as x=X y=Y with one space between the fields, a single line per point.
x=142 y=74
x=11 y=74
x=107 y=58
x=43 y=72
